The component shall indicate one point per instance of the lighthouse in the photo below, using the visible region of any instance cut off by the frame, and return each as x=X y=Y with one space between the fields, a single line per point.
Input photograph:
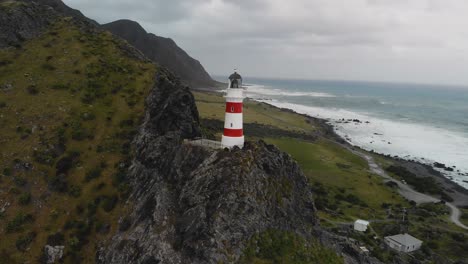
x=233 y=129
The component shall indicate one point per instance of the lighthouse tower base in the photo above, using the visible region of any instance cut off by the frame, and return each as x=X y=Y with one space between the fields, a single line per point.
x=230 y=142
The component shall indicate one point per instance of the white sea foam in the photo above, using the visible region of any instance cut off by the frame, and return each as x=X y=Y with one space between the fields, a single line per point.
x=253 y=90
x=402 y=138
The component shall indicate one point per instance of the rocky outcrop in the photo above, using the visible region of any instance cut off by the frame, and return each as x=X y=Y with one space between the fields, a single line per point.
x=53 y=253
x=163 y=51
x=20 y=21
x=195 y=205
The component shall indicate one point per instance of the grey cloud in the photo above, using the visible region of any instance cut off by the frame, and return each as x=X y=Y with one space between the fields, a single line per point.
x=396 y=40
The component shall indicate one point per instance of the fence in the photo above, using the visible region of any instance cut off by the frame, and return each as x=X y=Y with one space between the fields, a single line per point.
x=205 y=143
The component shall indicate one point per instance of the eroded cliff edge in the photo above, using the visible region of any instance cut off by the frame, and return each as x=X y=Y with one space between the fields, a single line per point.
x=197 y=205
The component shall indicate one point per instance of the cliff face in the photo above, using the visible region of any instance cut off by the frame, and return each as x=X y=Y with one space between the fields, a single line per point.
x=20 y=22
x=163 y=51
x=196 y=205
x=25 y=19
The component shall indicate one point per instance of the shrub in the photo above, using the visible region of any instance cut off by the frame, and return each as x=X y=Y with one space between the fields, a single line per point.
x=420 y=184
x=75 y=191
x=2 y=104
x=49 y=67
x=109 y=203
x=74 y=243
x=4 y=63
x=24 y=198
x=92 y=208
x=58 y=183
x=16 y=224
x=79 y=132
x=7 y=171
x=56 y=239
x=66 y=163
x=32 y=89
x=93 y=173
x=24 y=241
x=432 y=244
x=20 y=181
x=460 y=237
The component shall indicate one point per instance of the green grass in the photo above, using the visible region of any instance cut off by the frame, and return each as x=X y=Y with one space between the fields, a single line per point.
x=71 y=92
x=464 y=217
x=212 y=106
x=274 y=246
x=345 y=177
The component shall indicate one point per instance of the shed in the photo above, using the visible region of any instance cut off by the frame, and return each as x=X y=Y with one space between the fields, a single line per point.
x=361 y=225
x=403 y=242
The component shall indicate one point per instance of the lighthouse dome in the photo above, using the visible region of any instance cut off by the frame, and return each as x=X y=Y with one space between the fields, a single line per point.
x=235 y=80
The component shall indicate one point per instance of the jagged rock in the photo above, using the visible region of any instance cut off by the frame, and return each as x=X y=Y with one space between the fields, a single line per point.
x=53 y=253
x=23 y=22
x=195 y=205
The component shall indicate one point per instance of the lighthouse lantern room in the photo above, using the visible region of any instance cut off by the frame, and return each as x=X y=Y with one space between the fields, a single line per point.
x=233 y=129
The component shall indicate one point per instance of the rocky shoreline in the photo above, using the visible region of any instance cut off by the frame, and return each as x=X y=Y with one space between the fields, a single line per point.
x=457 y=192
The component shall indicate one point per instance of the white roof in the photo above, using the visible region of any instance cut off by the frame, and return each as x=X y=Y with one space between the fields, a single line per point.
x=404 y=239
x=362 y=222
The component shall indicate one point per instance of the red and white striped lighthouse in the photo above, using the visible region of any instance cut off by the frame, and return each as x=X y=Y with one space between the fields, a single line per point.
x=233 y=129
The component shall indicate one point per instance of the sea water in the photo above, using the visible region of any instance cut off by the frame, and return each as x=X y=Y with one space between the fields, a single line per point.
x=427 y=123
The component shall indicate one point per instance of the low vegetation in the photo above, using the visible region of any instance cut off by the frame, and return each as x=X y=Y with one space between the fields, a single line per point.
x=70 y=103
x=274 y=246
x=421 y=184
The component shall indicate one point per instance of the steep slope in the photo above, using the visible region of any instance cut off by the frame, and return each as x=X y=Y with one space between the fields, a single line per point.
x=71 y=96
x=197 y=205
x=163 y=51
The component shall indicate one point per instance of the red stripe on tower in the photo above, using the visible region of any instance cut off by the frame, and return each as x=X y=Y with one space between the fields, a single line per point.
x=233 y=107
x=233 y=132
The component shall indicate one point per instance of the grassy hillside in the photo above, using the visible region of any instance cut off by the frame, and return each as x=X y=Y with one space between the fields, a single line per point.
x=344 y=188
x=70 y=102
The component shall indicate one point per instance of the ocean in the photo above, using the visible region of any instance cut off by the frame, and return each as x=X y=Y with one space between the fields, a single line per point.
x=427 y=123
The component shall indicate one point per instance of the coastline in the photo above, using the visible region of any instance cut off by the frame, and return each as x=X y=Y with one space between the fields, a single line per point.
x=420 y=169
x=456 y=191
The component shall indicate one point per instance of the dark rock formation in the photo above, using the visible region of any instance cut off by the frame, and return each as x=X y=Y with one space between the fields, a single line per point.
x=163 y=51
x=20 y=21
x=195 y=205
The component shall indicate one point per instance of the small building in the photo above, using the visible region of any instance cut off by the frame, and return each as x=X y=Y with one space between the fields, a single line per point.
x=361 y=225
x=403 y=242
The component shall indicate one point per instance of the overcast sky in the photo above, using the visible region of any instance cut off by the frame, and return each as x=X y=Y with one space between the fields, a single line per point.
x=376 y=40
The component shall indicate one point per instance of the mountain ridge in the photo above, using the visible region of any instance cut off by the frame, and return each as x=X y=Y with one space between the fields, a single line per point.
x=162 y=50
